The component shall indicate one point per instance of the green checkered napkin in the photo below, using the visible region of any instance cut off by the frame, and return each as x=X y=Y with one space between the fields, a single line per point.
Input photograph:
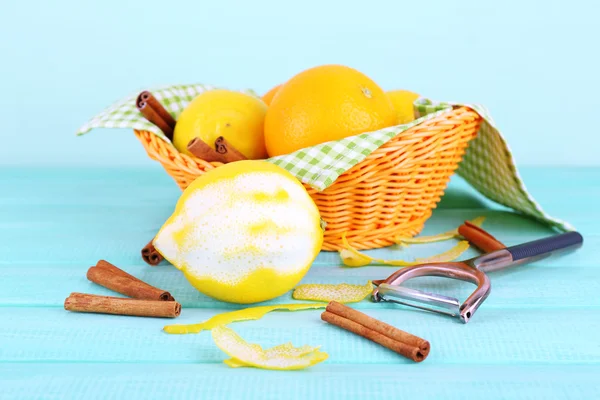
x=488 y=164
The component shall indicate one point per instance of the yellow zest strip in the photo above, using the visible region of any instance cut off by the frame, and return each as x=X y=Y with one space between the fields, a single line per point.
x=245 y=314
x=342 y=293
x=281 y=349
x=352 y=257
x=282 y=357
x=358 y=259
x=435 y=238
x=235 y=363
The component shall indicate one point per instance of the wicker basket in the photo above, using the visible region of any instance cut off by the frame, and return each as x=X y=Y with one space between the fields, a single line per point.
x=390 y=193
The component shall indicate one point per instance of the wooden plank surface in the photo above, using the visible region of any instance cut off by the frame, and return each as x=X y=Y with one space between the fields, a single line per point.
x=216 y=381
x=536 y=336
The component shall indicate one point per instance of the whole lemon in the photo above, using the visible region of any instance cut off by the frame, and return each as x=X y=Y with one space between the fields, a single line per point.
x=403 y=104
x=325 y=103
x=236 y=116
x=244 y=232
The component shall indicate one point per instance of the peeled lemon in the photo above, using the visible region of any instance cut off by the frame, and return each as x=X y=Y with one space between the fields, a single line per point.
x=244 y=232
x=237 y=116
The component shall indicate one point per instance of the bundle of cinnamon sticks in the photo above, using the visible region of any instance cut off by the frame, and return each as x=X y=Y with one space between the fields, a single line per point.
x=145 y=300
x=150 y=255
x=154 y=112
x=403 y=343
x=222 y=151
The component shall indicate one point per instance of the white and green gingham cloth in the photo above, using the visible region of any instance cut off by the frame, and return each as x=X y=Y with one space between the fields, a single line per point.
x=488 y=164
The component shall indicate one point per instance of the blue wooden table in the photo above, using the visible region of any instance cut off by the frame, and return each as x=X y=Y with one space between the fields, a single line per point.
x=536 y=336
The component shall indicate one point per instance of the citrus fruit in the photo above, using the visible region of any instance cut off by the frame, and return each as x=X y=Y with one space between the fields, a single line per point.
x=325 y=103
x=403 y=104
x=236 y=116
x=267 y=97
x=244 y=232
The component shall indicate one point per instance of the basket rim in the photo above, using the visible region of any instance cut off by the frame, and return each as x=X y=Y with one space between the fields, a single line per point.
x=456 y=110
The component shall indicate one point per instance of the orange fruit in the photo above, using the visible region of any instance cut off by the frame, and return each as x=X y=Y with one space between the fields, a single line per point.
x=322 y=104
x=267 y=97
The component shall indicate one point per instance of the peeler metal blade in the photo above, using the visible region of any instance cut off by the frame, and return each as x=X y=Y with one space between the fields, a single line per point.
x=434 y=302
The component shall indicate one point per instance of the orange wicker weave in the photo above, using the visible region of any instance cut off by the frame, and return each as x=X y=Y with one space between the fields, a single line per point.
x=390 y=193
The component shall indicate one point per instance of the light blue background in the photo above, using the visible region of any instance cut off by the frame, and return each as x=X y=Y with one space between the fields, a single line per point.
x=534 y=64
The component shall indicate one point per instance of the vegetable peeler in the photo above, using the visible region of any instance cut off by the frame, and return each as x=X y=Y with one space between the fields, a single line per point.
x=473 y=270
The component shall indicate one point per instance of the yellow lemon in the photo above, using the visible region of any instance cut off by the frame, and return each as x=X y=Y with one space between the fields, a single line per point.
x=403 y=104
x=236 y=116
x=244 y=232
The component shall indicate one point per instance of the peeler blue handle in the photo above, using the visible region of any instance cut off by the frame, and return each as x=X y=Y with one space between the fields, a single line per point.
x=546 y=246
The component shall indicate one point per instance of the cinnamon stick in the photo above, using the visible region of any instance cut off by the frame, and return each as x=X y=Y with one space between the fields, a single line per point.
x=222 y=152
x=154 y=112
x=112 y=268
x=150 y=255
x=158 y=107
x=479 y=237
x=89 y=303
x=129 y=287
x=378 y=326
x=203 y=151
x=401 y=348
x=403 y=343
x=230 y=153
